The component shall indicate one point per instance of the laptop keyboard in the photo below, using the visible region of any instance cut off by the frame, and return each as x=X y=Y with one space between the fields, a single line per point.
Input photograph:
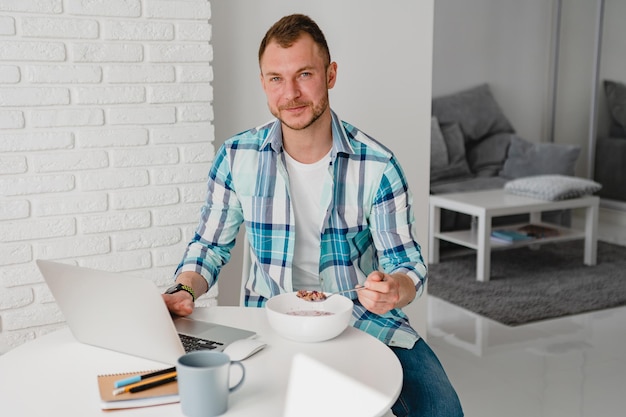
x=191 y=343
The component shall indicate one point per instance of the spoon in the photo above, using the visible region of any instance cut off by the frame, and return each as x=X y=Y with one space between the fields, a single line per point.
x=320 y=296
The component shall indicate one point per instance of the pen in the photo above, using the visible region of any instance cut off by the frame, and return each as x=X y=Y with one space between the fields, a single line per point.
x=141 y=386
x=137 y=378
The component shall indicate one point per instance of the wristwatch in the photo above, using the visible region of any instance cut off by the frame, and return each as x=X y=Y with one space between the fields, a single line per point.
x=181 y=287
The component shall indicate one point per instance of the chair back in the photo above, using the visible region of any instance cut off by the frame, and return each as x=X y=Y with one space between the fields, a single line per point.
x=245 y=268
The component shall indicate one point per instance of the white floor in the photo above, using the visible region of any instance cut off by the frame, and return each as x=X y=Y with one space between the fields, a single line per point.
x=568 y=367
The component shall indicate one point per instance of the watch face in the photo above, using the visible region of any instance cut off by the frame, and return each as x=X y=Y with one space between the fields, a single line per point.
x=173 y=289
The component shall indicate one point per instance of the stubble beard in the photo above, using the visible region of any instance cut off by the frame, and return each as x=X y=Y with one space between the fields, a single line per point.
x=317 y=113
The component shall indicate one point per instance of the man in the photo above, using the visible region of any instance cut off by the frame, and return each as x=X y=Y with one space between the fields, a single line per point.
x=325 y=206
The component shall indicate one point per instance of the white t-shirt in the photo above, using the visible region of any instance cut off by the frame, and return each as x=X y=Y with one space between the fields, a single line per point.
x=306 y=182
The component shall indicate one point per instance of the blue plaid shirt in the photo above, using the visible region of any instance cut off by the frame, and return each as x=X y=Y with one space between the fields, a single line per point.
x=368 y=223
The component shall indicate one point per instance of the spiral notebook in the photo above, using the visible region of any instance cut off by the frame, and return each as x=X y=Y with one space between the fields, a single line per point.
x=164 y=394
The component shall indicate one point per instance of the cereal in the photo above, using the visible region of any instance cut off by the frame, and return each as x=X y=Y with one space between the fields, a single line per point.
x=311 y=313
x=311 y=295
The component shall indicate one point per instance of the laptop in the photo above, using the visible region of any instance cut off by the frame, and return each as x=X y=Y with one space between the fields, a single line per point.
x=127 y=314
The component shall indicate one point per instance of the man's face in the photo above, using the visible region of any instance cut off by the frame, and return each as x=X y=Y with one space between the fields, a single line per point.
x=296 y=82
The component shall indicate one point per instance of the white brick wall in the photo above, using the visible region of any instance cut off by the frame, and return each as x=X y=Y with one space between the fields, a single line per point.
x=105 y=143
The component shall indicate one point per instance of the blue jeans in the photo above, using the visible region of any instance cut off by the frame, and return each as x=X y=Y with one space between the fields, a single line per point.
x=426 y=389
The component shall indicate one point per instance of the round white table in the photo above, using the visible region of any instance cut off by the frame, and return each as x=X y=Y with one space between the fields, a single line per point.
x=55 y=375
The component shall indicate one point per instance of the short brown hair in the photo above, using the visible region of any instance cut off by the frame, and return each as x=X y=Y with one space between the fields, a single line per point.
x=289 y=29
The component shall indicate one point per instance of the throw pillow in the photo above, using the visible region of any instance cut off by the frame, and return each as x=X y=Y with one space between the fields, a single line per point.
x=475 y=110
x=457 y=164
x=616 y=101
x=486 y=157
x=438 y=149
x=527 y=158
x=552 y=187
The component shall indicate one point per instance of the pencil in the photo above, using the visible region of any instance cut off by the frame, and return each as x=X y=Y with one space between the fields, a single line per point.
x=137 y=378
x=150 y=383
x=154 y=384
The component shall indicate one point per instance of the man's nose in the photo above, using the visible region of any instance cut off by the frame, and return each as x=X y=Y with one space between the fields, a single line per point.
x=292 y=89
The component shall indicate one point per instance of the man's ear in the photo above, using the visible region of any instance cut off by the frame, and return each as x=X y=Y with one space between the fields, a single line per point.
x=331 y=75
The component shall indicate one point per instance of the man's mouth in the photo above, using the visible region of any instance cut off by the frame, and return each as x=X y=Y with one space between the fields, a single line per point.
x=294 y=107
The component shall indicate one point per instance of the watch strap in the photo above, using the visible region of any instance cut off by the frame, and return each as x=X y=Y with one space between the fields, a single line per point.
x=182 y=287
x=188 y=289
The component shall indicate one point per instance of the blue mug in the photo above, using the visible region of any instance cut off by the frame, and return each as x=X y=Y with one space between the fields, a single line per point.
x=204 y=382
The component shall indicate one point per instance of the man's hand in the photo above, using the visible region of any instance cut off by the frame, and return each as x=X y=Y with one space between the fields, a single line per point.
x=384 y=292
x=179 y=303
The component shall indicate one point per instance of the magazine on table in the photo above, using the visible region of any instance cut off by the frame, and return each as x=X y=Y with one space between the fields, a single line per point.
x=524 y=233
x=539 y=231
x=509 y=235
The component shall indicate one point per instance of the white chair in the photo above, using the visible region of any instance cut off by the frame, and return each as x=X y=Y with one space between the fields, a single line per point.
x=245 y=267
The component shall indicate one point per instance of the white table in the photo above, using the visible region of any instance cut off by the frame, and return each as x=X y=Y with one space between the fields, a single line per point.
x=485 y=205
x=55 y=375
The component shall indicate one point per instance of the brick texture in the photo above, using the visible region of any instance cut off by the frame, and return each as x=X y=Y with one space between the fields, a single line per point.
x=106 y=138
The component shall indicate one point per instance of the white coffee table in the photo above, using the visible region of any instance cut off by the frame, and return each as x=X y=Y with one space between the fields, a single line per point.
x=485 y=205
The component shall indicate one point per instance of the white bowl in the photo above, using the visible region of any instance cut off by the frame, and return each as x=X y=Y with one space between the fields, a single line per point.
x=292 y=317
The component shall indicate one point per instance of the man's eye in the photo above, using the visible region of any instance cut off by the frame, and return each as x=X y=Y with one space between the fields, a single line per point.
x=305 y=74
x=275 y=79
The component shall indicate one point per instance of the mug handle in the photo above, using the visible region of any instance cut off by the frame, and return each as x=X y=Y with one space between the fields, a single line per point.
x=243 y=375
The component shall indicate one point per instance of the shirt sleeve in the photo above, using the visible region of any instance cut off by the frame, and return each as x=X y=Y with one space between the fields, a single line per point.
x=221 y=217
x=392 y=223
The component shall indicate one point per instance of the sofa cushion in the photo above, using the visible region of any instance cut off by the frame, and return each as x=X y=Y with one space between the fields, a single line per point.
x=486 y=157
x=457 y=164
x=552 y=187
x=616 y=101
x=438 y=149
x=527 y=158
x=475 y=110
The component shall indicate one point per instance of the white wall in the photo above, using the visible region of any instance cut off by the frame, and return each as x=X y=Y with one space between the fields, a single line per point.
x=105 y=142
x=383 y=51
x=505 y=43
x=612 y=57
x=509 y=44
x=576 y=64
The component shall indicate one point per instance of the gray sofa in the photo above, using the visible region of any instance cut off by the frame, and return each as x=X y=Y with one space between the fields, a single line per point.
x=610 y=158
x=474 y=147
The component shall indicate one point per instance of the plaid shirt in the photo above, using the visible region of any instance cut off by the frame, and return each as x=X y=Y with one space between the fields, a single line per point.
x=368 y=223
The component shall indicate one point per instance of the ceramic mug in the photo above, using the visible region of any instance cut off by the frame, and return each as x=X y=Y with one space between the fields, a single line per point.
x=204 y=382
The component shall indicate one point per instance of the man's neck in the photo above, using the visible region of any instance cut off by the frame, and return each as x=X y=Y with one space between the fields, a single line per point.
x=311 y=144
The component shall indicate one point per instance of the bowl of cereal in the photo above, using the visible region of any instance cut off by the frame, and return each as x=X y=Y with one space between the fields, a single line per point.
x=297 y=319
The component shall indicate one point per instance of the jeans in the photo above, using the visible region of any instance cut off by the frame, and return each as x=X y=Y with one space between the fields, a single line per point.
x=426 y=389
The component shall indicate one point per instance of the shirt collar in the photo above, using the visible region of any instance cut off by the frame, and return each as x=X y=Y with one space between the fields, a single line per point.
x=341 y=143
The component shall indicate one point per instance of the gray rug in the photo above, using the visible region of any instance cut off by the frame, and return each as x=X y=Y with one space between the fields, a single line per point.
x=530 y=285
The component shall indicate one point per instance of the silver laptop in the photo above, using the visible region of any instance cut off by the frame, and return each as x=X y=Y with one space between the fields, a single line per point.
x=127 y=314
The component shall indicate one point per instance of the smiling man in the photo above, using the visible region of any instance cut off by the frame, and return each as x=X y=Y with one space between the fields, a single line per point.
x=326 y=207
